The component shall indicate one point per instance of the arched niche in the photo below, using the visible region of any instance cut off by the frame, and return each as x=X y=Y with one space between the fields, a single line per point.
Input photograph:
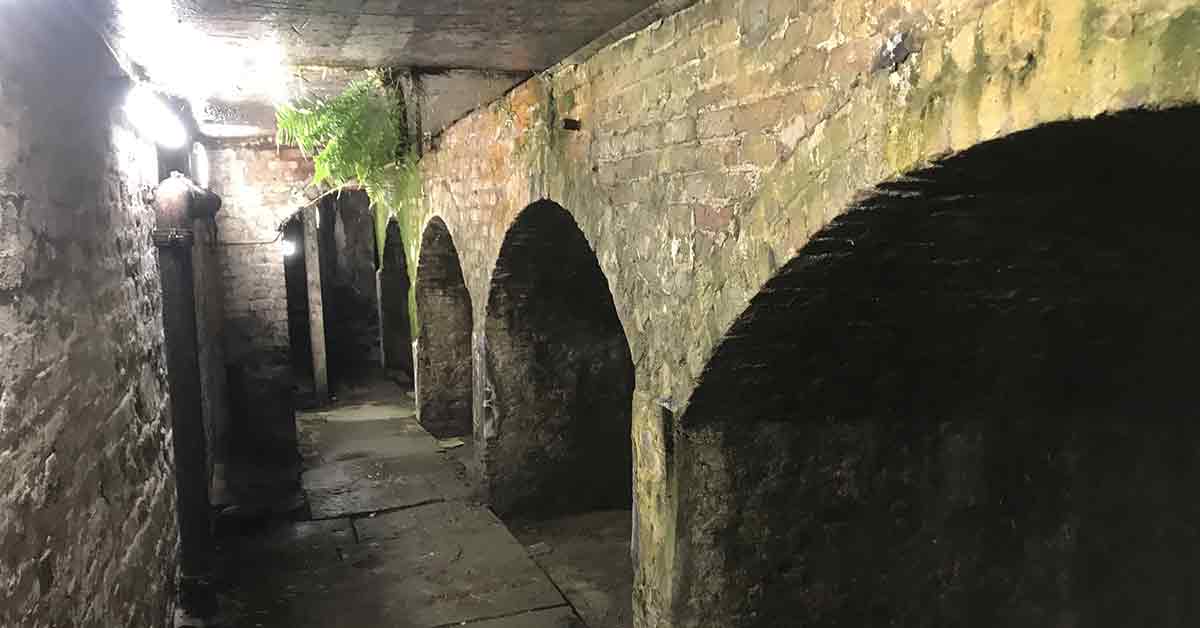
x=444 y=335
x=968 y=401
x=561 y=374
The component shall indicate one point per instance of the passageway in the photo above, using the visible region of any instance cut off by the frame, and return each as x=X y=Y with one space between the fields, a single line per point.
x=295 y=283
x=396 y=528
x=390 y=536
x=968 y=401
x=574 y=314
x=393 y=305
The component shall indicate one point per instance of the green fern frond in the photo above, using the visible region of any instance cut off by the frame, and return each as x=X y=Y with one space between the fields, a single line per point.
x=359 y=136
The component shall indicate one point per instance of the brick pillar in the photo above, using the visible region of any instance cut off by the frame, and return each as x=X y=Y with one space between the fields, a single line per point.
x=316 y=304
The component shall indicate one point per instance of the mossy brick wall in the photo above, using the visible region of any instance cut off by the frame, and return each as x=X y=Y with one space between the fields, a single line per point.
x=716 y=142
x=965 y=402
x=87 y=493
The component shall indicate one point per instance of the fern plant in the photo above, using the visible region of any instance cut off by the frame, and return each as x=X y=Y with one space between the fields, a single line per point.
x=352 y=137
x=358 y=137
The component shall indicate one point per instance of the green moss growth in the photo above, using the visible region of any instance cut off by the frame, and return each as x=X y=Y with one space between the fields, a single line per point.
x=401 y=198
x=977 y=77
x=1092 y=24
x=1180 y=45
x=923 y=116
x=362 y=137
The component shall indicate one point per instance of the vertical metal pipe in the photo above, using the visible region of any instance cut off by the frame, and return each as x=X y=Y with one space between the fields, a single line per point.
x=173 y=238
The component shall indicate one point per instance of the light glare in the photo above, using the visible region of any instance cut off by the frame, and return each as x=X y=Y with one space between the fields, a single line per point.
x=186 y=61
x=287 y=247
x=200 y=166
x=154 y=119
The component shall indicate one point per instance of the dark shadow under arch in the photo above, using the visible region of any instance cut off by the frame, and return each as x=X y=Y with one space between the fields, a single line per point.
x=966 y=402
x=393 y=303
x=561 y=372
x=444 y=335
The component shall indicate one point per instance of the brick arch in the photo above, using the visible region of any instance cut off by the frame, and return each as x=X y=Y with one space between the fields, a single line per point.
x=559 y=371
x=961 y=79
x=444 y=315
x=394 y=300
x=716 y=144
x=965 y=401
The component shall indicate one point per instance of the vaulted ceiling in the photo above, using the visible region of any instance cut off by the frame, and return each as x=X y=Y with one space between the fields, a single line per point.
x=235 y=59
x=508 y=35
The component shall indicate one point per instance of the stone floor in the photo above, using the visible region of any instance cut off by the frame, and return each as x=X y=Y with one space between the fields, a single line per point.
x=394 y=535
x=587 y=557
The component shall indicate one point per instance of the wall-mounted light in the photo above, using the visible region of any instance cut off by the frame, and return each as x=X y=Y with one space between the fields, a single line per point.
x=200 y=165
x=154 y=119
x=287 y=247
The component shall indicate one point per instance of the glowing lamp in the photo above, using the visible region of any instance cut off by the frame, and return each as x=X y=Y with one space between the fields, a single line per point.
x=200 y=165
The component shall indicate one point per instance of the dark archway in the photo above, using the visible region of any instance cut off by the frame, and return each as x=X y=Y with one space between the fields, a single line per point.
x=969 y=401
x=444 y=335
x=561 y=372
x=348 y=281
x=296 y=284
x=393 y=300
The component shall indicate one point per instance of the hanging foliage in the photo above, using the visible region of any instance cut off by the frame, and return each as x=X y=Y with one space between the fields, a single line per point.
x=360 y=137
x=352 y=137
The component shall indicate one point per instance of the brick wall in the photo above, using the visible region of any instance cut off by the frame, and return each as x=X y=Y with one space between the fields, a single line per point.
x=716 y=142
x=261 y=186
x=87 y=496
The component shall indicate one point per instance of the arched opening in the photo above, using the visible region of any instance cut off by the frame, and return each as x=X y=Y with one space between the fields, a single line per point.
x=348 y=265
x=557 y=445
x=393 y=306
x=967 y=401
x=444 y=335
x=558 y=362
x=296 y=284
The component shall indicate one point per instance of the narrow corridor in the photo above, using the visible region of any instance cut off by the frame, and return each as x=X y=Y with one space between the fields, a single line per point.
x=625 y=314
x=392 y=535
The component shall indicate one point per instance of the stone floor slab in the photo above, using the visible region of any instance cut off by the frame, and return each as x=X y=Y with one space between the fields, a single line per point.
x=428 y=566
x=561 y=617
x=367 y=411
x=333 y=441
x=463 y=562
x=588 y=556
x=291 y=545
x=370 y=485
